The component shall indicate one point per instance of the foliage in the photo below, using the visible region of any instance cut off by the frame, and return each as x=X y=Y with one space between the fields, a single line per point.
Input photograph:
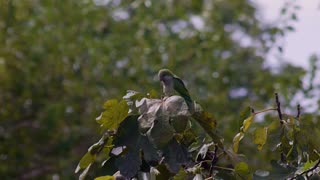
x=148 y=139
x=60 y=60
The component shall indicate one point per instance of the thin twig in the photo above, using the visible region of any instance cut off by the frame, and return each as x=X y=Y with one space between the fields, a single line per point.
x=265 y=110
x=214 y=159
x=299 y=111
x=278 y=107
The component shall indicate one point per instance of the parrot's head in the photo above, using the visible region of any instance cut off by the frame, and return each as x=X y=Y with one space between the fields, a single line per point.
x=165 y=75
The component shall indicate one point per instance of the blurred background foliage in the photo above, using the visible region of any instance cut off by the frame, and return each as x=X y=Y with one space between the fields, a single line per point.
x=59 y=61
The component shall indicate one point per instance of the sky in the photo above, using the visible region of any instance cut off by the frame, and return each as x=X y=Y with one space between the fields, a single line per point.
x=299 y=45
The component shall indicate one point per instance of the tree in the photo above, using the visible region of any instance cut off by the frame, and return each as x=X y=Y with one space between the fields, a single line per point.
x=150 y=138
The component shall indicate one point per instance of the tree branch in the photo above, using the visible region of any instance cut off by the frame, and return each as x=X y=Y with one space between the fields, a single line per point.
x=278 y=108
x=307 y=171
x=299 y=111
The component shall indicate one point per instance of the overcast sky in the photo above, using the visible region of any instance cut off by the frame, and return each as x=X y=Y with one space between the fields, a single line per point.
x=299 y=45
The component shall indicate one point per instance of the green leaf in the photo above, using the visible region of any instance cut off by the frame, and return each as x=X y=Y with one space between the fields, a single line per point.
x=85 y=161
x=279 y=171
x=84 y=173
x=128 y=133
x=309 y=164
x=243 y=171
x=150 y=153
x=208 y=123
x=175 y=155
x=260 y=137
x=129 y=164
x=181 y=175
x=128 y=136
x=161 y=132
x=294 y=16
x=104 y=178
x=244 y=128
x=236 y=140
x=205 y=119
x=244 y=114
x=107 y=148
x=290 y=28
x=246 y=123
x=115 y=112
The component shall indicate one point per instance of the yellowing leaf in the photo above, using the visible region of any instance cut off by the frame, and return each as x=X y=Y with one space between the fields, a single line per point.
x=115 y=112
x=236 y=140
x=104 y=178
x=243 y=171
x=260 y=137
x=85 y=161
x=246 y=123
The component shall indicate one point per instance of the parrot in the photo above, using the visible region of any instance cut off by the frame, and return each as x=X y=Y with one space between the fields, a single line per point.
x=171 y=83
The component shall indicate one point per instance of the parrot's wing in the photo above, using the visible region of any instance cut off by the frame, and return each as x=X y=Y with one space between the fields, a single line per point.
x=183 y=91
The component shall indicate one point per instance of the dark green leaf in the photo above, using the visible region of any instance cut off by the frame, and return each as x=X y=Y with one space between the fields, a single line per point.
x=175 y=155
x=128 y=133
x=129 y=164
x=181 y=175
x=161 y=132
x=150 y=153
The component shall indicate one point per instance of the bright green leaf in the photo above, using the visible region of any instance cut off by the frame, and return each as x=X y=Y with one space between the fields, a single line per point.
x=243 y=171
x=85 y=161
x=104 y=178
x=115 y=112
x=260 y=137
x=309 y=164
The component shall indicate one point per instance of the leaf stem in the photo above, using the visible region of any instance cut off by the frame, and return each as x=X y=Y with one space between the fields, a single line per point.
x=265 y=110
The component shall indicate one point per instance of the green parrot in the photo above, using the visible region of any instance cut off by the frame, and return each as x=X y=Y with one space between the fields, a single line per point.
x=172 y=83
